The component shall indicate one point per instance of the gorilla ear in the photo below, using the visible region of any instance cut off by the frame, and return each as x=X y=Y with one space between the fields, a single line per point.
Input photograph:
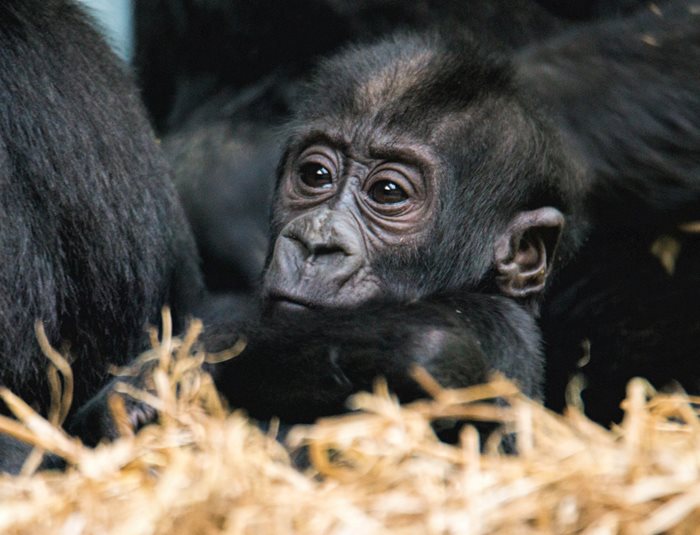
x=524 y=252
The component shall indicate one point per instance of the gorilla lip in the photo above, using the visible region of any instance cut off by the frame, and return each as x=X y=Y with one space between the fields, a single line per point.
x=286 y=302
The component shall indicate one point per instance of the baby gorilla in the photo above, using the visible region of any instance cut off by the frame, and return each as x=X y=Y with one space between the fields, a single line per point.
x=420 y=201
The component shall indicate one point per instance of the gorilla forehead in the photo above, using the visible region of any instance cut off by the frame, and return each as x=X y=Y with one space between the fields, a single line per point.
x=406 y=83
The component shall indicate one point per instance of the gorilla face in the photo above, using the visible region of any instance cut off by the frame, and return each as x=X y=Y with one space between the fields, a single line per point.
x=410 y=171
x=339 y=211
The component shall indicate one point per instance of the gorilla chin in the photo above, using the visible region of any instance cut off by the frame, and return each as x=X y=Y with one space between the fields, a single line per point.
x=280 y=298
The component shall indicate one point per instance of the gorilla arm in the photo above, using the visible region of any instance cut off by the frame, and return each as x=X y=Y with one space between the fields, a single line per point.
x=304 y=367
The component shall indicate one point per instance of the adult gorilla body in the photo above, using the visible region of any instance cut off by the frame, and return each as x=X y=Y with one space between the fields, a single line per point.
x=92 y=237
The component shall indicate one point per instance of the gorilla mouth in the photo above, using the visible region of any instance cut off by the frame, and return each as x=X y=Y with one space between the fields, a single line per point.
x=287 y=303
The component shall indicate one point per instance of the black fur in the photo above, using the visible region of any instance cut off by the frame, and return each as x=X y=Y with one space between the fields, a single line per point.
x=93 y=239
x=582 y=10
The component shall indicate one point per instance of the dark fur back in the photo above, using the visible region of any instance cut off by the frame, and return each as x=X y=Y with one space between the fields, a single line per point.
x=92 y=238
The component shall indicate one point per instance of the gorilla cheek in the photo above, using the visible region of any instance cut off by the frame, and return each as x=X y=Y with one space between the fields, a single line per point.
x=319 y=260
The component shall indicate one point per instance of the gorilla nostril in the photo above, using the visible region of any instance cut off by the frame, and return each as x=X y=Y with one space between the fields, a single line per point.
x=303 y=245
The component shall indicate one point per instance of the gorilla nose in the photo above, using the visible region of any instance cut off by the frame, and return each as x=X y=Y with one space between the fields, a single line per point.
x=317 y=250
x=314 y=258
x=327 y=261
x=324 y=237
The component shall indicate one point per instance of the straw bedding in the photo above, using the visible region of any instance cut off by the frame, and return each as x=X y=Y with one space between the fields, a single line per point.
x=203 y=470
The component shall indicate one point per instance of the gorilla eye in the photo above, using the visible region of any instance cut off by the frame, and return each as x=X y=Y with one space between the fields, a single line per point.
x=315 y=176
x=387 y=192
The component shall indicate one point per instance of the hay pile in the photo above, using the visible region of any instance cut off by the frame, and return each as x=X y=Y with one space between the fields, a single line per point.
x=379 y=470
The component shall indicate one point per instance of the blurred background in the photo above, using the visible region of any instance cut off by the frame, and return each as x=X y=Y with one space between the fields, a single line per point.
x=115 y=18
